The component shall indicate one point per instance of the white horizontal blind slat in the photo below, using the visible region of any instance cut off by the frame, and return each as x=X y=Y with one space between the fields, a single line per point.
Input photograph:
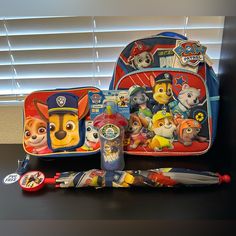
x=205 y=35
x=60 y=56
x=206 y=22
x=113 y=24
x=104 y=39
x=58 y=70
x=32 y=42
x=30 y=85
x=44 y=26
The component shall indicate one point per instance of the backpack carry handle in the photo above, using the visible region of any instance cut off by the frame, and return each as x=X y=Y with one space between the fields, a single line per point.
x=173 y=35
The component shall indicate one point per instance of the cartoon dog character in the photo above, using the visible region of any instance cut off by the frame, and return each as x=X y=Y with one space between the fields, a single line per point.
x=139 y=133
x=164 y=128
x=162 y=91
x=140 y=56
x=91 y=137
x=118 y=179
x=187 y=99
x=111 y=150
x=187 y=131
x=139 y=99
x=33 y=180
x=64 y=113
x=35 y=135
x=122 y=102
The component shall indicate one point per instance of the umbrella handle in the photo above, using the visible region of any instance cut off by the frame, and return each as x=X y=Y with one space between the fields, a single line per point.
x=50 y=181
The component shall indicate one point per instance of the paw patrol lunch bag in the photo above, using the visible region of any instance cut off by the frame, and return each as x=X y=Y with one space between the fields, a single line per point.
x=57 y=123
x=174 y=95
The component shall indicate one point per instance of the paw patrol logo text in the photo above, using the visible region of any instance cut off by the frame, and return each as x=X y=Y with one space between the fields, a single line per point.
x=11 y=178
x=190 y=52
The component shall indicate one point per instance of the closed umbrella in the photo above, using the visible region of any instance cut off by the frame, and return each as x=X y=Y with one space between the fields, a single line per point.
x=162 y=177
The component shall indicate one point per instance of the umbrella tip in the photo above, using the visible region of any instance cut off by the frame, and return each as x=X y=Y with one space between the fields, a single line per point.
x=225 y=179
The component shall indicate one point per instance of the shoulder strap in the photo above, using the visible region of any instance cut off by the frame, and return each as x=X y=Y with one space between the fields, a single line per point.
x=172 y=35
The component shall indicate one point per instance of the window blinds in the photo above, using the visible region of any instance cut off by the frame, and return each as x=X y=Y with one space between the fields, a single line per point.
x=56 y=52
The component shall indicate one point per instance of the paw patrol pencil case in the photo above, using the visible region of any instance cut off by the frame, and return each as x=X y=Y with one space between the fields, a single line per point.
x=57 y=123
x=174 y=95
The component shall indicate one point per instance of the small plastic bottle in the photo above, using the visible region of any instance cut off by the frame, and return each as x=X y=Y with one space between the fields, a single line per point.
x=110 y=126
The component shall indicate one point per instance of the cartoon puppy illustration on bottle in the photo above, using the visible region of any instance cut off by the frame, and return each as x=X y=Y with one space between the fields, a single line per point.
x=63 y=113
x=111 y=150
x=162 y=91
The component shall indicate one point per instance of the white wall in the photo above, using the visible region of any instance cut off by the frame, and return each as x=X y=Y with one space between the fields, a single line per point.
x=11 y=124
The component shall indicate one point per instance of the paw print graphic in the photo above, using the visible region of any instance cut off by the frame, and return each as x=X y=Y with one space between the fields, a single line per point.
x=199 y=116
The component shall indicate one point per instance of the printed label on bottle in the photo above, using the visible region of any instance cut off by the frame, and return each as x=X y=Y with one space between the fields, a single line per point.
x=110 y=131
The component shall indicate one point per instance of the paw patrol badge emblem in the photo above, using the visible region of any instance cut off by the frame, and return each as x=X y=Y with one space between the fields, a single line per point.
x=167 y=76
x=96 y=98
x=190 y=52
x=110 y=131
x=61 y=101
x=32 y=181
